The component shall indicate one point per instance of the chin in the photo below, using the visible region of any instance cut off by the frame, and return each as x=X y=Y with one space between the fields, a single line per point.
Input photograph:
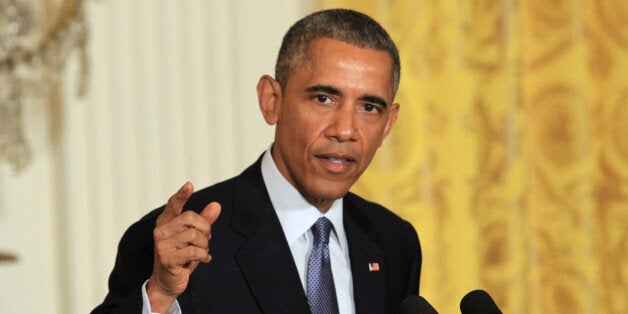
x=330 y=194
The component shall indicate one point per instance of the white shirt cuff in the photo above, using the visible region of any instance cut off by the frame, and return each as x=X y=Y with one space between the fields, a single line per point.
x=174 y=308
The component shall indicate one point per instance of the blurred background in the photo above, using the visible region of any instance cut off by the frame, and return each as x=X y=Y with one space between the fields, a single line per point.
x=509 y=157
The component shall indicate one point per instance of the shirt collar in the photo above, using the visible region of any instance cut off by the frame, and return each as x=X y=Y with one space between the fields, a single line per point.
x=295 y=213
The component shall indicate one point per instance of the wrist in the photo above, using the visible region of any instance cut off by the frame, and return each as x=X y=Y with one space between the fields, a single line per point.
x=160 y=301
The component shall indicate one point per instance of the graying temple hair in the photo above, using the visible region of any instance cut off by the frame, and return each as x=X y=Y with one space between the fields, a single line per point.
x=341 y=24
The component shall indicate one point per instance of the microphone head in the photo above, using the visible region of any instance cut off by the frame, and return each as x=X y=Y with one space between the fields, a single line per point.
x=416 y=305
x=478 y=302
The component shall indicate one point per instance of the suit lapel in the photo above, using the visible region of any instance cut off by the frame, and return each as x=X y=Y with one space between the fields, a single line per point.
x=267 y=263
x=265 y=258
x=367 y=262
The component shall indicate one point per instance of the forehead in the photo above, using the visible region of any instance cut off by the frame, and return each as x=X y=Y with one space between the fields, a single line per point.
x=337 y=63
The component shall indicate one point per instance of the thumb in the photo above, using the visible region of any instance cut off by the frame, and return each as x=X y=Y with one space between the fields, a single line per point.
x=211 y=212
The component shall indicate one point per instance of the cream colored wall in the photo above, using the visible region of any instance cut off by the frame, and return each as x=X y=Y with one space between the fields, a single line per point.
x=171 y=98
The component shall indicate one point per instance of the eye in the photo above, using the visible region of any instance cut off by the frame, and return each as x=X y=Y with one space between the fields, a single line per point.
x=371 y=108
x=323 y=99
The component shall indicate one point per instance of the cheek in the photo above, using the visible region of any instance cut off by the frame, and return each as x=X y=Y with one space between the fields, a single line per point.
x=305 y=128
x=296 y=137
x=371 y=144
x=373 y=133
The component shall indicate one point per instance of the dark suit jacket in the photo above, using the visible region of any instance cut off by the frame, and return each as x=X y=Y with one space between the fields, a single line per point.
x=252 y=269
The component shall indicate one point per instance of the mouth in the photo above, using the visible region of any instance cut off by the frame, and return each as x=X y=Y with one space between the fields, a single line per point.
x=337 y=158
x=337 y=163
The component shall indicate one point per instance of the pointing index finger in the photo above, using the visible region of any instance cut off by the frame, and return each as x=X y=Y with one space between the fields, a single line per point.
x=174 y=207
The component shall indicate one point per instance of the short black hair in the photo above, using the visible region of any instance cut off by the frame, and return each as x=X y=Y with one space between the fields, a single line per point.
x=341 y=24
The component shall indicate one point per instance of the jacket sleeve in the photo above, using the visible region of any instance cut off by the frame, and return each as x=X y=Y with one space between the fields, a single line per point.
x=133 y=266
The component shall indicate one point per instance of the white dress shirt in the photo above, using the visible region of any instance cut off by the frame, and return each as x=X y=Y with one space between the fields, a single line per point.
x=297 y=216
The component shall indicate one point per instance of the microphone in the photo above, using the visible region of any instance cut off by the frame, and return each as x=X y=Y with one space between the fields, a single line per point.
x=478 y=302
x=416 y=304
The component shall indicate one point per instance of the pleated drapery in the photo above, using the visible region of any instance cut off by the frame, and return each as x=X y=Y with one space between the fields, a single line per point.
x=510 y=155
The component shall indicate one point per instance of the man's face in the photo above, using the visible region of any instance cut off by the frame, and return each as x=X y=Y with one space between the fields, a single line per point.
x=335 y=111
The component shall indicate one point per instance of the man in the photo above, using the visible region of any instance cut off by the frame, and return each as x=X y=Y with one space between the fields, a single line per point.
x=332 y=104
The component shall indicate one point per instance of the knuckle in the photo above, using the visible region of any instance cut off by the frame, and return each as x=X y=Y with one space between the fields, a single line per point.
x=188 y=236
x=159 y=247
x=199 y=253
x=158 y=233
x=171 y=202
x=189 y=216
x=192 y=234
x=204 y=244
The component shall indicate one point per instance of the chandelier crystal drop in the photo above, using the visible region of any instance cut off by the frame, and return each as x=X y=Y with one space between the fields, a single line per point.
x=33 y=51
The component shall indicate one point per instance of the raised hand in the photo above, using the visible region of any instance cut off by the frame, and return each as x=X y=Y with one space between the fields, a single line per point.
x=181 y=243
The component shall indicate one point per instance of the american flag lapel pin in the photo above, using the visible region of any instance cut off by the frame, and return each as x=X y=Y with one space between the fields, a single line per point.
x=373 y=266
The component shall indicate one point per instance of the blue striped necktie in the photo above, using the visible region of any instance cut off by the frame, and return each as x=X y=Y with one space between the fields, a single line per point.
x=321 y=292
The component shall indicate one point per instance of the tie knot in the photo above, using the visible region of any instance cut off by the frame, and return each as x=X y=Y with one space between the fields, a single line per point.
x=321 y=229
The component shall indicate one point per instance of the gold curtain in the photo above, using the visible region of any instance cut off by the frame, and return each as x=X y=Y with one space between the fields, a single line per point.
x=510 y=156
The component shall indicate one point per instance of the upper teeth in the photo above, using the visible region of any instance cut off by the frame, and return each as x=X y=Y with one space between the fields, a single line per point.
x=336 y=160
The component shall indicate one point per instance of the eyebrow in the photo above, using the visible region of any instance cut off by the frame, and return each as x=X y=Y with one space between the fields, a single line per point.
x=323 y=88
x=334 y=91
x=375 y=100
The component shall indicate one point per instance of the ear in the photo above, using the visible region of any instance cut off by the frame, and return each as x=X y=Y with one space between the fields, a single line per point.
x=392 y=118
x=269 y=98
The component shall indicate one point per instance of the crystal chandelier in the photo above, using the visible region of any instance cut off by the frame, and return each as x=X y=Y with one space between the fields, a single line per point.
x=36 y=39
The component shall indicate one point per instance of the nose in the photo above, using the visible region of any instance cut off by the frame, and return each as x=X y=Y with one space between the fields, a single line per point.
x=343 y=127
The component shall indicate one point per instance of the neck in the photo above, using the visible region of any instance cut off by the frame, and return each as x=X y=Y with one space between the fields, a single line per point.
x=322 y=205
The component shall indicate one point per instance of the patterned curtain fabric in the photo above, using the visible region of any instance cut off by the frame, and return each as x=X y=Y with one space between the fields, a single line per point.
x=510 y=156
